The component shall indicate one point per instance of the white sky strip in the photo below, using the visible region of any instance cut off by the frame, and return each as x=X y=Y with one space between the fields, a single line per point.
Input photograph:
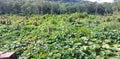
x=101 y=1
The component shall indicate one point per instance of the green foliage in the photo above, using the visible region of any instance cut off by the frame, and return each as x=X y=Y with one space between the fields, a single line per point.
x=65 y=36
x=28 y=7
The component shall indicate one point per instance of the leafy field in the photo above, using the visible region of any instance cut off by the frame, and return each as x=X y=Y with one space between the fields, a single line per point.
x=65 y=36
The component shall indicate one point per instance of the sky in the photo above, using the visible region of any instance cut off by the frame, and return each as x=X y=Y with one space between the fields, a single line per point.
x=101 y=1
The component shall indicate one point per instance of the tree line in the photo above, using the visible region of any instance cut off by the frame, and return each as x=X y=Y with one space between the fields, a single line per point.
x=27 y=7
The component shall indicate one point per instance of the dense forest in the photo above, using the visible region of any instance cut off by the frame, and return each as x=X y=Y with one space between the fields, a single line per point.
x=60 y=29
x=24 y=7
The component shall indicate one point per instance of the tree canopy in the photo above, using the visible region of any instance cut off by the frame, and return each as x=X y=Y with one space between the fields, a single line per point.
x=56 y=7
